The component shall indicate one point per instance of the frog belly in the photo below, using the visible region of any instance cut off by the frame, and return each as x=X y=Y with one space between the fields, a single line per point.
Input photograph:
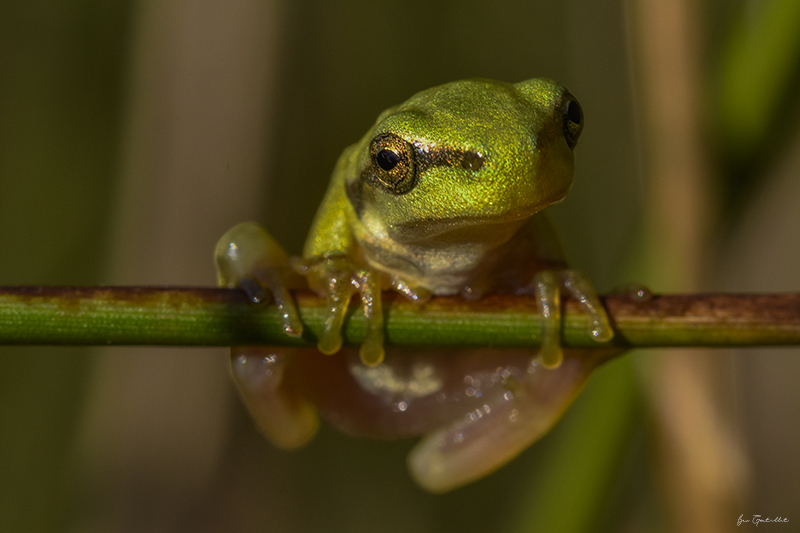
x=414 y=392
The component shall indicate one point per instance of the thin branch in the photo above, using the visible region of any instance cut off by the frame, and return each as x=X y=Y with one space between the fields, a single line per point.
x=224 y=317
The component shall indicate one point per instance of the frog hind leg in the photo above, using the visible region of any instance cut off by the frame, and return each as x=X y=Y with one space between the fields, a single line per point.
x=487 y=438
x=285 y=419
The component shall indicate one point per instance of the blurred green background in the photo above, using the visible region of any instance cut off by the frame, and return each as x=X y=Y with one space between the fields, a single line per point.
x=133 y=134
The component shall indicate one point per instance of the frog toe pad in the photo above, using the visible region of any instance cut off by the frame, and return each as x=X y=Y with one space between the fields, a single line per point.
x=285 y=419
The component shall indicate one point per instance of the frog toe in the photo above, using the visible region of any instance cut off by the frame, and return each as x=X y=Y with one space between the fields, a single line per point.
x=580 y=288
x=338 y=279
x=548 y=297
x=286 y=419
x=547 y=285
x=550 y=354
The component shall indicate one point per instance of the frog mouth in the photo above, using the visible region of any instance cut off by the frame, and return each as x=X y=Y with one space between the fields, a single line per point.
x=461 y=229
x=470 y=228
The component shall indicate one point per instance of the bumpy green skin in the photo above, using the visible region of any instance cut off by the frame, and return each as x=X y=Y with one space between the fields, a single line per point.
x=442 y=196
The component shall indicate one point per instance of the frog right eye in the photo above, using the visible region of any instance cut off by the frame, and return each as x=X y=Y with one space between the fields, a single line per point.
x=573 y=119
x=393 y=164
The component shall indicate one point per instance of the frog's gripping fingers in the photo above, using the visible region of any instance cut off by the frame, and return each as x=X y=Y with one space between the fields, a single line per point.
x=581 y=289
x=272 y=278
x=248 y=257
x=548 y=297
x=339 y=291
x=254 y=290
x=371 y=352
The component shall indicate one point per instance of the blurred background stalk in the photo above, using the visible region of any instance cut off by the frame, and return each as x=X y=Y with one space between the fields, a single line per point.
x=62 y=68
x=698 y=461
x=134 y=133
x=200 y=97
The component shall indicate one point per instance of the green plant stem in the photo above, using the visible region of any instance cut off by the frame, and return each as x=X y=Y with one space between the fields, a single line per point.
x=224 y=317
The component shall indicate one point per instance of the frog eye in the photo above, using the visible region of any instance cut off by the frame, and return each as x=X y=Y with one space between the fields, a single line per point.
x=573 y=119
x=393 y=164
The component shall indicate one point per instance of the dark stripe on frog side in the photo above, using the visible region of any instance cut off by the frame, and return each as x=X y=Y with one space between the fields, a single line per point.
x=423 y=161
x=450 y=157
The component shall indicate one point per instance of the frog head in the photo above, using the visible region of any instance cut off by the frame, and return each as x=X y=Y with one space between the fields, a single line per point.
x=466 y=160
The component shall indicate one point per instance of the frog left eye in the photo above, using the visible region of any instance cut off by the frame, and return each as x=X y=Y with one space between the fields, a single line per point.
x=393 y=163
x=573 y=119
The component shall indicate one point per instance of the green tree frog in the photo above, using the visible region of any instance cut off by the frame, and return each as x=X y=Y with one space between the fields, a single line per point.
x=443 y=196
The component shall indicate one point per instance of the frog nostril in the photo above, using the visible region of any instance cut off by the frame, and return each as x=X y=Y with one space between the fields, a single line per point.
x=472 y=161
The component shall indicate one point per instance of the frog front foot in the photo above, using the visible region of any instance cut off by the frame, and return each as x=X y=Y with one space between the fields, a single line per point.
x=547 y=285
x=247 y=257
x=337 y=279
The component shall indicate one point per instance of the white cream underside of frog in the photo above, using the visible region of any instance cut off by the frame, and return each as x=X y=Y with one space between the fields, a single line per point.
x=443 y=271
